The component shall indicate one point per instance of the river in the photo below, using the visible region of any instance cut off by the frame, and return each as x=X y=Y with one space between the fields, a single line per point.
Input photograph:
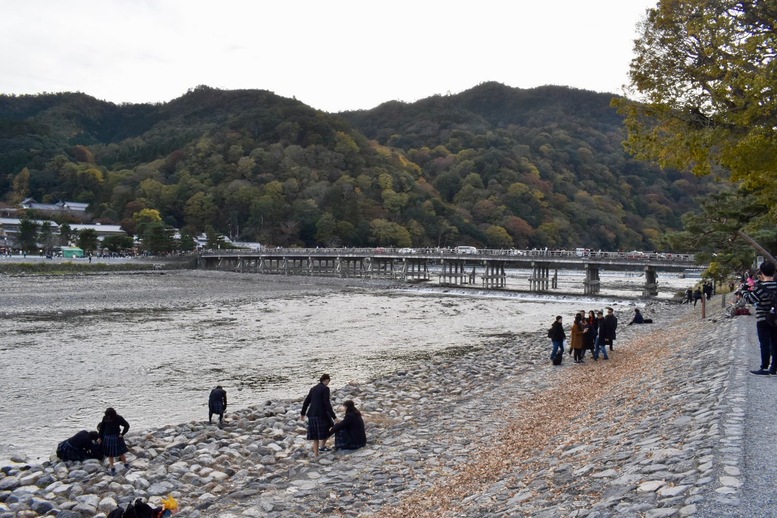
x=152 y=345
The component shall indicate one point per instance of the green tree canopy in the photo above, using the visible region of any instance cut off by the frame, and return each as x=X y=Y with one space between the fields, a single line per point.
x=88 y=240
x=704 y=80
x=28 y=235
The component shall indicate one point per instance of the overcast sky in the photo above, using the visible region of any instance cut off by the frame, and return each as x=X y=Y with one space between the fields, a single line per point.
x=331 y=55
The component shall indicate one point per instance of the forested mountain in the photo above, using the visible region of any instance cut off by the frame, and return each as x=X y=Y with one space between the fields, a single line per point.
x=493 y=166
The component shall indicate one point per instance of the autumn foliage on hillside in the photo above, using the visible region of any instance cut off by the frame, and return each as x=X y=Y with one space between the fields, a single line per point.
x=493 y=166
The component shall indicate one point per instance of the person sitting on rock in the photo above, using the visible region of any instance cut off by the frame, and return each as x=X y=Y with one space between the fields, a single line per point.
x=83 y=445
x=349 y=433
x=638 y=318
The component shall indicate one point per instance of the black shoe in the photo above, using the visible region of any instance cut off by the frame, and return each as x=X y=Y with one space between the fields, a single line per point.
x=323 y=448
x=760 y=372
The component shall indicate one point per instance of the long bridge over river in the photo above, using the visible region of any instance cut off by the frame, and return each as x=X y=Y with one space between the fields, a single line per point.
x=466 y=267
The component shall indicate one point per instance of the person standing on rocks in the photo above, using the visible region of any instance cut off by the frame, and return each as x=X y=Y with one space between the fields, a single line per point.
x=610 y=325
x=217 y=404
x=112 y=430
x=557 y=337
x=761 y=295
x=349 y=433
x=599 y=343
x=318 y=408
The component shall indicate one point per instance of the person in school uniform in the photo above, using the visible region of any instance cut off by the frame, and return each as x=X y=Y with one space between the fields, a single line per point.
x=112 y=430
x=349 y=433
x=318 y=409
x=83 y=445
x=217 y=404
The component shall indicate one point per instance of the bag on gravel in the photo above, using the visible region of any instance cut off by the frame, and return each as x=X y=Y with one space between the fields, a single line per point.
x=558 y=358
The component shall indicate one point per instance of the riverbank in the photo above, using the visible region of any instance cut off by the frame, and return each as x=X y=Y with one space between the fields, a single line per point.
x=494 y=430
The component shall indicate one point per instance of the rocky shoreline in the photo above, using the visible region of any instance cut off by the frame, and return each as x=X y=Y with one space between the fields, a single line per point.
x=493 y=430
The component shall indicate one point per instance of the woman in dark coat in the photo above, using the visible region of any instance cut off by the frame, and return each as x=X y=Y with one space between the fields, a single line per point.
x=80 y=447
x=318 y=408
x=112 y=429
x=592 y=327
x=349 y=433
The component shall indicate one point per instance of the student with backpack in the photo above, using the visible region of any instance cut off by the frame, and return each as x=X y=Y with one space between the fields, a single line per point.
x=557 y=337
x=764 y=295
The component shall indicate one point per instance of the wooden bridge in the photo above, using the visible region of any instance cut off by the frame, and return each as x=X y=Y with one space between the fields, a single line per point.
x=449 y=267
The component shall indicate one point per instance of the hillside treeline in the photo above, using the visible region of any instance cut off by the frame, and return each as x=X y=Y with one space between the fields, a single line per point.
x=492 y=167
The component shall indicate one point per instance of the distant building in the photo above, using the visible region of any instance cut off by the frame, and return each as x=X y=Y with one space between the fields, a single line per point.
x=60 y=206
x=9 y=230
x=102 y=231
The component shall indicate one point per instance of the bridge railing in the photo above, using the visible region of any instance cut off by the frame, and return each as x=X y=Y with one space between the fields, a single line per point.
x=438 y=252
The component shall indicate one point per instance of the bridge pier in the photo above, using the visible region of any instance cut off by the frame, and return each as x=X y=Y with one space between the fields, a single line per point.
x=651 y=282
x=591 y=285
x=540 y=277
x=414 y=270
x=495 y=276
x=455 y=272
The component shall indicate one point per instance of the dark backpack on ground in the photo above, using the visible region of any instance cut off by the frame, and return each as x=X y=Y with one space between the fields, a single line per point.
x=136 y=509
x=558 y=358
x=142 y=509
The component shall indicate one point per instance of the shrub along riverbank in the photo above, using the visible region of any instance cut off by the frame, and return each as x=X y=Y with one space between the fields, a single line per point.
x=97 y=266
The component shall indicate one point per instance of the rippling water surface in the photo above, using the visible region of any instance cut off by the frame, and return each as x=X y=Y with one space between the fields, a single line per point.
x=153 y=346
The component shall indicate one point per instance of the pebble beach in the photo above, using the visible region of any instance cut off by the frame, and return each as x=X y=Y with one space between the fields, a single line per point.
x=489 y=430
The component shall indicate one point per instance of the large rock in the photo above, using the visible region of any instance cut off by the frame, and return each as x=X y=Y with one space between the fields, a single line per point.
x=9 y=483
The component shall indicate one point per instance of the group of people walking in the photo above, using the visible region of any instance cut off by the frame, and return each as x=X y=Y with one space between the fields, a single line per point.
x=705 y=291
x=593 y=332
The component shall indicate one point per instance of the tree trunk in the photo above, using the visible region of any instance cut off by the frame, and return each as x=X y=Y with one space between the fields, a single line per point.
x=758 y=247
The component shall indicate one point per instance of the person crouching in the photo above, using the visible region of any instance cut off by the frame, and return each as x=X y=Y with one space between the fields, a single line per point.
x=83 y=445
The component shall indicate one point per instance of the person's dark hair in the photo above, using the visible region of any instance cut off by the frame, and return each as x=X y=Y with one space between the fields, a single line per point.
x=767 y=269
x=350 y=408
x=218 y=387
x=324 y=377
x=93 y=436
x=579 y=320
x=558 y=317
x=110 y=414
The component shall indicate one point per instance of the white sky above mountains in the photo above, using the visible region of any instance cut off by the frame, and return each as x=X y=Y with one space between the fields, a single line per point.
x=331 y=55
